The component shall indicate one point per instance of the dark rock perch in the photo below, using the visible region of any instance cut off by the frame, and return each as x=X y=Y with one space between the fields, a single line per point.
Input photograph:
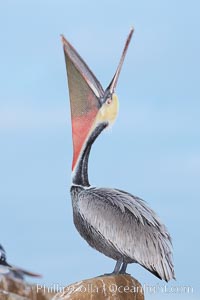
x=15 y=289
x=116 y=287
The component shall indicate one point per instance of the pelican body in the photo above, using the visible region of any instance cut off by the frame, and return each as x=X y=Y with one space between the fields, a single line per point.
x=112 y=221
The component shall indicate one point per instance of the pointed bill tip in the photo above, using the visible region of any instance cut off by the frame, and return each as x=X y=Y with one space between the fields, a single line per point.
x=128 y=41
x=113 y=83
x=130 y=34
x=63 y=39
x=32 y=274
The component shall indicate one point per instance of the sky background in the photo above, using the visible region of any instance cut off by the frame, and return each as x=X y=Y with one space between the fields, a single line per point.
x=152 y=151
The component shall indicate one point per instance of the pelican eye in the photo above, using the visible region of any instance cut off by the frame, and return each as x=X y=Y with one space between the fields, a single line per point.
x=109 y=100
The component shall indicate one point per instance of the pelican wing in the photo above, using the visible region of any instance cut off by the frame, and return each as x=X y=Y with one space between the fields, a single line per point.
x=131 y=226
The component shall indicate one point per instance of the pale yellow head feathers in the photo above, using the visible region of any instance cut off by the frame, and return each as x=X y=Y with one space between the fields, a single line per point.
x=109 y=110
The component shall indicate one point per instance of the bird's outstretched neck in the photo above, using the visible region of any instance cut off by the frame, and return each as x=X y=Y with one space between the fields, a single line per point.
x=80 y=172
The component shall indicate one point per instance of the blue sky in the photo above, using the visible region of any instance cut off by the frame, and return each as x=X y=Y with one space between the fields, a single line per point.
x=153 y=149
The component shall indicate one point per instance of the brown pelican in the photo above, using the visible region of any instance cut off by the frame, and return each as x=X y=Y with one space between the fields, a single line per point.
x=112 y=221
x=12 y=271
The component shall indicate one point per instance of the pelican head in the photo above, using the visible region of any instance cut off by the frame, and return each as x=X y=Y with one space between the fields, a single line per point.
x=92 y=107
